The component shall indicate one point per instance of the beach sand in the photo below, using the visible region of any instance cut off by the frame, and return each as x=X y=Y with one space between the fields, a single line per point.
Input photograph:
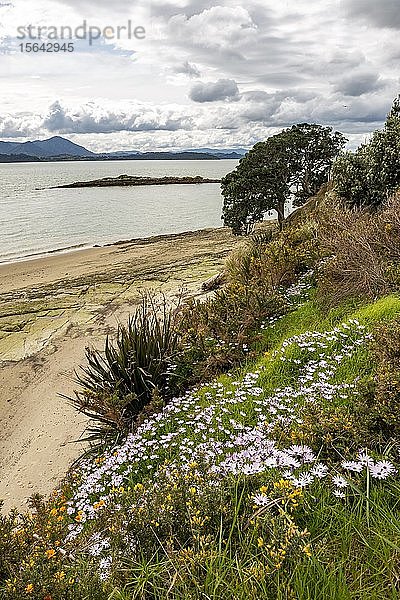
x=51 y=309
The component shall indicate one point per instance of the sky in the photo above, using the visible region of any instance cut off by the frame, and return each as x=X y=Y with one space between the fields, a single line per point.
x=196 y=73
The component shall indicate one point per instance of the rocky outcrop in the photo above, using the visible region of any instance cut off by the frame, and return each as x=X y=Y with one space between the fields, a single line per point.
x=128 y=180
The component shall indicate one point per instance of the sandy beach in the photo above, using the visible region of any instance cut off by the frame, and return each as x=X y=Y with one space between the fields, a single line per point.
x=51 y=308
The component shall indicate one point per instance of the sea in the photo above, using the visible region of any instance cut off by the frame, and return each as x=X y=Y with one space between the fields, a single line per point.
x=36 y=220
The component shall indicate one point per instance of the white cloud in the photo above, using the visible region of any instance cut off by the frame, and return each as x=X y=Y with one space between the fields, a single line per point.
x=305 y=61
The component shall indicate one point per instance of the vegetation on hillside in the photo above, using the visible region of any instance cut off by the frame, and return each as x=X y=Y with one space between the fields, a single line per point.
x=294 y=164
x=368 y=177
x=291 y=164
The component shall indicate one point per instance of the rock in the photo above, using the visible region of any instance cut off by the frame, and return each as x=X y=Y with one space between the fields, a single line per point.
x=128 y=180
x=214 y=283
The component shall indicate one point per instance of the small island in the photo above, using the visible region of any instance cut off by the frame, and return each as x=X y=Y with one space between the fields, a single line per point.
x=130 y=180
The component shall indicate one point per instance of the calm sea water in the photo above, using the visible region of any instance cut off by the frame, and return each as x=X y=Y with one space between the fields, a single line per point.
x=35 y=221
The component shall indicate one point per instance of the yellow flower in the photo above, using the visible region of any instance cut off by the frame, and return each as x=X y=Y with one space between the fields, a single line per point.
x=29 y=588
x=307 y=550
x=260 y=542
x=19 y=532
x=59 y=576
x=192 y=490
x=10 y=583
x=263 y=489
x=283 y=484
x=50 y=553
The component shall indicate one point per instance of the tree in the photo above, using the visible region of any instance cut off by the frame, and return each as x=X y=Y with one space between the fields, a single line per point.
x=295 y=163
x=315 y=148
x=370 y=175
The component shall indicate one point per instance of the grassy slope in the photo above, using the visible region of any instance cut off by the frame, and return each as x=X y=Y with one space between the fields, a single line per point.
x=356 y=544
x=355 y=558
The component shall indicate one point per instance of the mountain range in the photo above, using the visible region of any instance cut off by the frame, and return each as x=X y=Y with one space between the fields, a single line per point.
x=60 y=148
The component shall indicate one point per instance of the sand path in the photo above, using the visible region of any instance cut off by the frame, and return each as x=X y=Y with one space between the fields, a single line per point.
x=50 y=310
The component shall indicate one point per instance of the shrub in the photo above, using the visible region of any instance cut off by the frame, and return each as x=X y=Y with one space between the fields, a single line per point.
x=333 y=429
x=371 y=416
x=33 y=564
x=380 y=401
x=219 y=332
x=368 y=177
x=274 y=260
x=362 y=250
x=117 y=384
x=193 y=526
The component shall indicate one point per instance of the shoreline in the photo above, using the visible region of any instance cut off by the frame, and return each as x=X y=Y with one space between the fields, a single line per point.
x=96 y=246
x=51 y=309
x=44 y=254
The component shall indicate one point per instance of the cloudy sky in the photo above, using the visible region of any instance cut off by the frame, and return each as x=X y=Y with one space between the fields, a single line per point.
x=220 y=74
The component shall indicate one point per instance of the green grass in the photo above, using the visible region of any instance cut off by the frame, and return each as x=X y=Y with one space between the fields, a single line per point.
x=355 y=543
x=311 y=316
x=353 y=558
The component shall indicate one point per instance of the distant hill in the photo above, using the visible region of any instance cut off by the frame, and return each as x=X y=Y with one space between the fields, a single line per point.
x=230 y=153
x=54 y=146
x=196 y=154
x=186 y=155
x=5 y=147
x=12 y=158
x=59 y=148
x=223 y=151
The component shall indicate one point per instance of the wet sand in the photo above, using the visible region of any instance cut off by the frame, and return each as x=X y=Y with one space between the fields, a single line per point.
x=51 y=308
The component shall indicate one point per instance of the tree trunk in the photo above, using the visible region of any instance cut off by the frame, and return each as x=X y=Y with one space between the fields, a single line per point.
x=280 y=209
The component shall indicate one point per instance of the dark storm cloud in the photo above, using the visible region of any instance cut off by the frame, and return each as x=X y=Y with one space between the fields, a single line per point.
x=18 y=125
x=223 y=89
x=359 y=84
x=380 y=13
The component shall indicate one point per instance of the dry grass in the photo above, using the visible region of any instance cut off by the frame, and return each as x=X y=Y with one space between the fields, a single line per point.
x=273 y=259
x=362 y=250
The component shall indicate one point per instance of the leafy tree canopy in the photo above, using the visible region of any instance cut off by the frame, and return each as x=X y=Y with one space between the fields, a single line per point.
x=370 y=175
x=295 y=162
